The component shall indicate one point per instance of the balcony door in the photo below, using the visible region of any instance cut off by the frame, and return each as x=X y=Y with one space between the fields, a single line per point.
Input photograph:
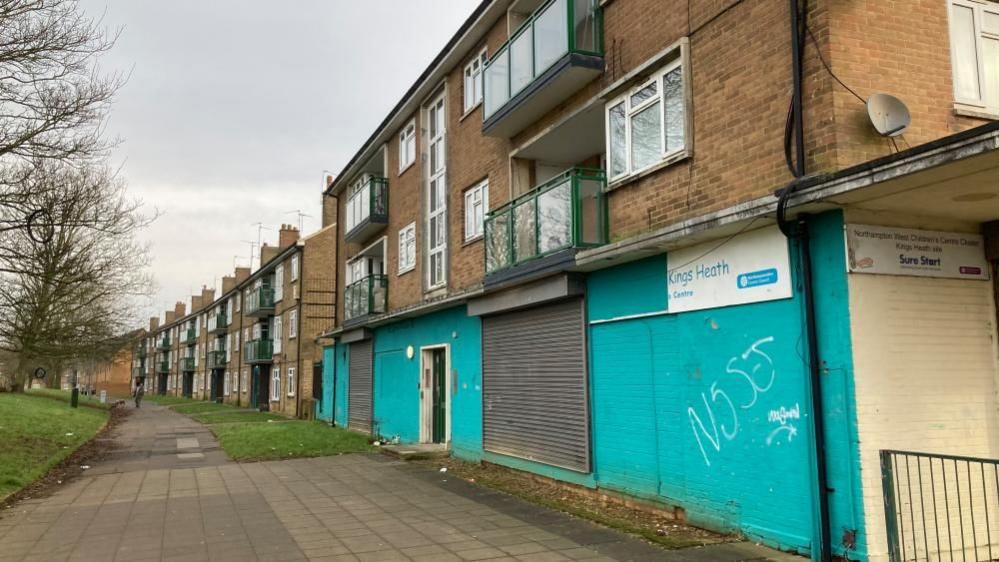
x=436 y=194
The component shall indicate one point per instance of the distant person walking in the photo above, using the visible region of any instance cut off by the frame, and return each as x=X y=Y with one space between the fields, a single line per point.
x=140 y=389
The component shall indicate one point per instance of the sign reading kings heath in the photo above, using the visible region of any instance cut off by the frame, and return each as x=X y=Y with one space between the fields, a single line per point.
x=920 y=253
x=752 y=267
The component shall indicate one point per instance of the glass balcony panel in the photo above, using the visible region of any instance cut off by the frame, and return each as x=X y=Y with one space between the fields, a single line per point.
x=525 y=231
x=591 y=216
x=497 y=87
x=379 y=294
x=521 y=62
x=366 y=296
x=498 y=241
x=551 y=35
x=555 y=218
x=585 y=25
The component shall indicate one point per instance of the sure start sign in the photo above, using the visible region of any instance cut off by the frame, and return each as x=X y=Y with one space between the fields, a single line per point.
x=920 y=253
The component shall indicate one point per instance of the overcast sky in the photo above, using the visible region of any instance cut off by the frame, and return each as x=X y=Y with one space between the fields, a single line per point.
x=234 y=108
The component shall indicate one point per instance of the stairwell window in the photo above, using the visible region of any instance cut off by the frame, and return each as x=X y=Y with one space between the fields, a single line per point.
x=646 y=124
x=974 y=41
x=407 y=248
x=276 y=333
x=291 y=381
x=293 y=324
x=279 y=283
x=225 y=386
x=242 y=384
x=275 y=384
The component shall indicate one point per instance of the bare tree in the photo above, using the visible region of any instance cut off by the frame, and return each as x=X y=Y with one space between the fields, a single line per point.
x=71 y=296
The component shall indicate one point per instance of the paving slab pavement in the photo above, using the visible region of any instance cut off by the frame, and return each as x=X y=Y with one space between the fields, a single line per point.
x=169 y=493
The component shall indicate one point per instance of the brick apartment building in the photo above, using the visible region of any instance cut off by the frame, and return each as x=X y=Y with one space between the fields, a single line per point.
x=254 y=345
x=663 y=250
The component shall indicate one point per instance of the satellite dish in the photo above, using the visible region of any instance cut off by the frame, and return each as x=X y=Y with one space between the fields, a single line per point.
x=888 y=114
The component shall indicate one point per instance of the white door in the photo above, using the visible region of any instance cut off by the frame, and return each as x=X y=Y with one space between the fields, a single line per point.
x=436 y=196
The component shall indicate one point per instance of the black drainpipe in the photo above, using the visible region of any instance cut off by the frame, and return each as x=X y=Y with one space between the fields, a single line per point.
x=799 y=230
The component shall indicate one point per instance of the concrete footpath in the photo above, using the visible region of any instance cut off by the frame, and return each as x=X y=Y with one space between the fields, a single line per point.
x=169 y=493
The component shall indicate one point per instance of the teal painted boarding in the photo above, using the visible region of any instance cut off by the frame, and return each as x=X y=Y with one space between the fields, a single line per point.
x=709 y=410
x=396 y=377
x=324 y=407
x=341 y=354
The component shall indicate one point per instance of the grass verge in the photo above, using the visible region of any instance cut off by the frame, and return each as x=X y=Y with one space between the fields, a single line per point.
x=39 y=433
x=212 y=418
x=291 y=439
x=653 y=527
x=66 y=395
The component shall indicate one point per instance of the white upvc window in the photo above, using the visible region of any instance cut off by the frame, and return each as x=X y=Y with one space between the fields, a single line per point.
x=293 y=323
x=476 y=201
x=646 y=124
x=235 y=341
x=275 y=384
x=228 y=310
x=279 y=282
x=291 y=381
x=228 y=347
x=276 y=333
x=407 y=145
x=294 y=267
x=974 y=50
x=407 y=248
x=436 y=257
x=242 y=385
x=225 y=385
x=239 y=300
x=473 y=81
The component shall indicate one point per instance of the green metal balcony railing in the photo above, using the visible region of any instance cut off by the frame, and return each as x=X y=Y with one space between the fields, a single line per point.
x=366 y=209
x=557 y=28
x=367 y=296
x=163 y=343
x=188 y=336
x=260 y=302
x=163 y=367
x=218 y=322
x=188 y=364
x=258 y=351
x=568 y=211
x=217 y=359
x=140 y=352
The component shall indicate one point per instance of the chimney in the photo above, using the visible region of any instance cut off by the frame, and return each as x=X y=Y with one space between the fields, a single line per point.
x=242 y=274
x=179 y=310
x=196 y=303
x=288 y=236
x=329 y=204
x=207 y=295
x=154 y=323
x=228 y=283
x=169 y=316
x=267 y=253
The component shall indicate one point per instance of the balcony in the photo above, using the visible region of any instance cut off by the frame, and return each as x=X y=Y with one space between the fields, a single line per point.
x=367 y=210
x=542 y=229
x=557 y=51
x=218 y=323
x=163 y=344
x=163 y=367
x=188 y=336
x=217 y=359
x=367 y=296
x=140 y=352
x=260 y=302
x=188 y=364
x=258 y=351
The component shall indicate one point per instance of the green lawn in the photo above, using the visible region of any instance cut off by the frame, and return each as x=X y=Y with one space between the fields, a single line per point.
x=199 y=407
x=291 y=439
x=38 y=433
x=65 y=396
x=236 y=416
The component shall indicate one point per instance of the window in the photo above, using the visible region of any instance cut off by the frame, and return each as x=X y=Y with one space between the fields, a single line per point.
x=407 y=248
x=276 y=333
x=646 y=124
x=235 y=341
x=228 y=347
x=242 y=384
x=275 y=384
x=974 y=46
x=239 y=301
x=293 y=324
x=473 y=81
x=407 y=146
x=225 y=386
x=436 y=197
x=476 y=201
x=279 y=282
x=294 y=267
x=291 y=381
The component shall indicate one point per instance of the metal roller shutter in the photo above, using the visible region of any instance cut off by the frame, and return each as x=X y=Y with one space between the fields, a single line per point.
x=535 y=403
x=359 y=382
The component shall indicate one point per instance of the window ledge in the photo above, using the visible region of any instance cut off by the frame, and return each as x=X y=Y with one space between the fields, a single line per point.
x=471 y=241
x=406 y=167
x=405 y=271
x=470 y=111
x=977 y=112
x=668 y=161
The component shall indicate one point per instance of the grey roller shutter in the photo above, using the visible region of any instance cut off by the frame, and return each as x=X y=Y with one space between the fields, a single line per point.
x=359 y=382
x=535 y=402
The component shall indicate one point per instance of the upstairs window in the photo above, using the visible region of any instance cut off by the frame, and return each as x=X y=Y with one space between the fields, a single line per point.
x=294 y=267
x=974 y=40
x=279 y=283
x=473 y=81
x=407 y=248
x=407 y=146
x=275 y=384
x=293 y=323
x=645 y=125
x=291 y=381
x=476 y=201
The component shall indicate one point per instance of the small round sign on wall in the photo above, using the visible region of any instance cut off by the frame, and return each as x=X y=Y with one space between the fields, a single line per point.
x=409 y=352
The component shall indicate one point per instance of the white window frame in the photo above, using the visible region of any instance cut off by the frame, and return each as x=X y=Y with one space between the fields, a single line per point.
x=276 y=329
x=242 y=381
x=407 y=146
x=978 y=8
x=290 y=382
x=225 y=385
x=631 y=112
x=279 y=283
x=294 y=267
x=473 y=76
x=477 y=195
x=407 y=248
x=437 y=139
x=275 y=384
x=293 y=323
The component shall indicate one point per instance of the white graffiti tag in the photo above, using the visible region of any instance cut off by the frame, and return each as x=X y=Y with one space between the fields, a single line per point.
x=759 y=376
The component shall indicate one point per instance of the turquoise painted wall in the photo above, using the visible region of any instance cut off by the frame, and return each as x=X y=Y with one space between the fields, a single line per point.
x=341 y=375
x=675 y=419
x=324 y=408
x=396 y=391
